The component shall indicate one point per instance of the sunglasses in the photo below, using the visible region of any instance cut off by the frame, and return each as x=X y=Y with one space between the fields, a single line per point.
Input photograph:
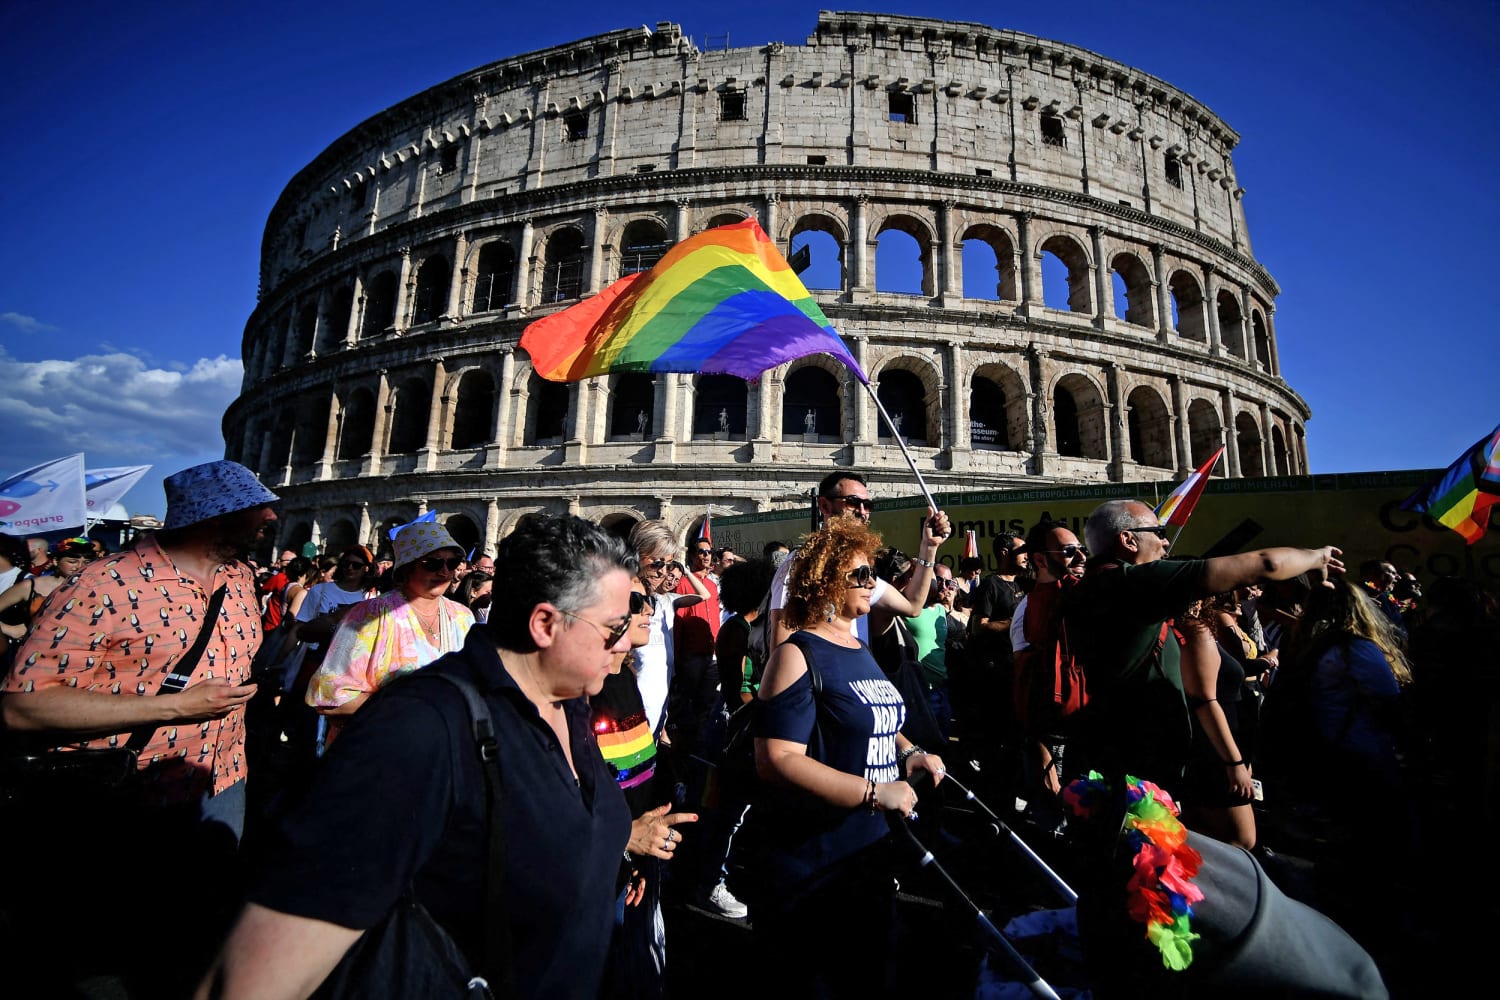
x=433 y=563
x=862 y=576
x=655 y=564
x=612 y=633
x=356 y=563
x=947 y=584
x=703 y=552
x=1070 y=552
x=1159 y=530
x=641 y=602
x=853 y=502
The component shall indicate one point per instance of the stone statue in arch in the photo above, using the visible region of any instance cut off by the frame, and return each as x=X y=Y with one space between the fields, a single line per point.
x=810 y=422
x=724 y=420
x=640 y=422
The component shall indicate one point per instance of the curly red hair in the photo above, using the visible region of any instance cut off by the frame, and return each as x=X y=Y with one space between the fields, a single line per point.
x=817 y=581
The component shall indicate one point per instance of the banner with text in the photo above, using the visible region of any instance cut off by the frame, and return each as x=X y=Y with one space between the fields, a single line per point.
x=48 y=497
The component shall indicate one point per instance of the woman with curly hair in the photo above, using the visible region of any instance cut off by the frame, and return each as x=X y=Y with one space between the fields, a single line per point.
x=828 y=740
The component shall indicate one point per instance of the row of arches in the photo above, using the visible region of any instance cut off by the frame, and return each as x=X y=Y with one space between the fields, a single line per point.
x=475 y=409
x=1056 y=269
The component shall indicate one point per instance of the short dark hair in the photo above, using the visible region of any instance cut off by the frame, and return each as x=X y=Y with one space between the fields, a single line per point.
x=1001 y=544
x=831 y=481
x=774 y=545
x=745 y=584
x=969 y=564
x=553 y=560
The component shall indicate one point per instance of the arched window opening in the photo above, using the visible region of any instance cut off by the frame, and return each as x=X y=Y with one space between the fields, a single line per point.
x=1187 y=307
x=1065 y=276
x=281 y=451
x=1205 y=432
x=642 y=245
x=496 y=277
x=309 y=434
x=619 y=525
x=336 y=323
x=341 y=535
x=464 y=531
x=1278 y=451
x=357 y=429
x=988 y=415
x=812 y=404
x=409 y=414
x=473 y=411
x=433 y=278
x=725 y=219
x=719 y=407
x=905 y=400
x=275 y=345
x=900 y=263
x=1262 y=342
x=562 y=274
x=380 y=305
x=547 y=411
x=307 y=330
x=1132 y=284
x=1247 y=437
x=815 y=241
x=1231 y=324
x=633 y=408
x=1078 y=415
x=989 y=265
x=1149 y=427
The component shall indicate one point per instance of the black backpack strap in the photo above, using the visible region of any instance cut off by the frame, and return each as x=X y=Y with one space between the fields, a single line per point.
x=797 y=639
x=182 y=671
x=496 y=965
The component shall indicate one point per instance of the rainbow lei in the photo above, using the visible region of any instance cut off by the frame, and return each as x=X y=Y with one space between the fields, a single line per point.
x=1160 y=893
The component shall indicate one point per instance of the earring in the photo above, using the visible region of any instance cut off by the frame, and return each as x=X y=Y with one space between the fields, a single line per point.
x=828 y=615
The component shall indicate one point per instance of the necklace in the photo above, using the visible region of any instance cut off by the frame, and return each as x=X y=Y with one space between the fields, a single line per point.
x=431 y=628
x=839 y=636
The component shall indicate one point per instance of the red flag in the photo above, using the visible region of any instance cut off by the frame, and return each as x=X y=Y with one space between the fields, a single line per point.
x=705 y=534
x=971 y=544
x=1179 y=504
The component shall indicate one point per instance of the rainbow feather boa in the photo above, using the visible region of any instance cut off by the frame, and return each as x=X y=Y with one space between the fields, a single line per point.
x=1160 y=893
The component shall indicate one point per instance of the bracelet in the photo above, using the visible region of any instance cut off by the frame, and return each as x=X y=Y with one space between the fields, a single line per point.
x=870 y=796
x=909 y=751
x=923 y=562
x=1235 y=763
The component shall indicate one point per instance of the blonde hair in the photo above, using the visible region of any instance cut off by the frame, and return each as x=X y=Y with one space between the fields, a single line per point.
x=654 y=540
x=1342 y=611
x=817 y=582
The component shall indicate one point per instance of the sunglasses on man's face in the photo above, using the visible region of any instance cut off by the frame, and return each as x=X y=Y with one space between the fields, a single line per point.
x=1159 y=530
x=862 y=576
x=853 y=502
x=703 y=552
x=1070 y=552
x=433 y=564
x=354 y=564
x=641 y=602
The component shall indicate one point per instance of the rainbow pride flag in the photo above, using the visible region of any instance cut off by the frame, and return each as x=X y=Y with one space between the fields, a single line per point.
x=1462 y=496
x=1179 y=504
x=722 y=302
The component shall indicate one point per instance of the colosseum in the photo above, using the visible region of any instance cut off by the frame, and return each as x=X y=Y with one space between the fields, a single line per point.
x=1039 y=255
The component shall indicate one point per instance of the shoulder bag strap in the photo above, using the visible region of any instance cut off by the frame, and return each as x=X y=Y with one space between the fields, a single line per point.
x=812 y=667
x=497 y=942
x=182 y=671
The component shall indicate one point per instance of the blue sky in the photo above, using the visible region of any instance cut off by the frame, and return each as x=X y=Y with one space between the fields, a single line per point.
x=148 y=142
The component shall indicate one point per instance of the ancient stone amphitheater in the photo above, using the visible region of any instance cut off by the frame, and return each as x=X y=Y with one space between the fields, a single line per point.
x=1039 y=255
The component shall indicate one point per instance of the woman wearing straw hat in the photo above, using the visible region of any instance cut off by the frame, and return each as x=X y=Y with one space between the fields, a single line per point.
x=397 y=632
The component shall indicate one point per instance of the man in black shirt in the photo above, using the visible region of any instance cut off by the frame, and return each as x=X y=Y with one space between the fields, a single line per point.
x=982 y=700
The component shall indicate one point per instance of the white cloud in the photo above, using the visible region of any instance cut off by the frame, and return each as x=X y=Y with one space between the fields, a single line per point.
x=114 y=408
x=24 y=323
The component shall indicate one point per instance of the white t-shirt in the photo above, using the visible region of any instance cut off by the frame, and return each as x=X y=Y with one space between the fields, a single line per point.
x=1018 y=626
x=655 y=659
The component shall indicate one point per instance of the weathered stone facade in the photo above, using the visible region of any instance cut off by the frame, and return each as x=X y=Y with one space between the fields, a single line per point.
x=382 y=374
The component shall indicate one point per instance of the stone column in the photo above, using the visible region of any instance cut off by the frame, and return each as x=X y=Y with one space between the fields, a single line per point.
x=437 y=409
x=454 y=309
x=864 y=433
x=1267 y=453
x=1104 y=306
x=768 y=215
x=1275 y=358
x=365 y=527
x=371 y=464
x=1036 y=358
x=403 y=293
x=683 y=220
x=859 y=279
x=491 y=526
x=1247 y=320
x=1180 y=426
x=763 y=444
x=1118 y=436
x=1231 y=433
x=1211 y=303
x=581 y=399
x=499 y=448
x=957 y=429
x=950 y=290
x=598 y=251
x=521 y=294
x=330 y=439
x=669 y=393
x=1031 y=278
x=320 y=322
x=356 y=311
x=1163 y=294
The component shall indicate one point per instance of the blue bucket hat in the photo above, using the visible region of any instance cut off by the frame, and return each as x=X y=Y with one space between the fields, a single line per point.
x=205 y=491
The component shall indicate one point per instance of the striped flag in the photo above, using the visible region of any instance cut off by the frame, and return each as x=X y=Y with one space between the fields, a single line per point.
x=1462 y=496
x=971 y=544
x=706 y=533
x=1179 y=504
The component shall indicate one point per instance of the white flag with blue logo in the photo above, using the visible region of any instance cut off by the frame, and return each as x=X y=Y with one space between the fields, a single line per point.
x=44 y=498
x=103 y=488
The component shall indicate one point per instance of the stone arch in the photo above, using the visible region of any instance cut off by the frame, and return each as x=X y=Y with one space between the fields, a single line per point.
x=1135 y=298
x=309 y=432
x=357 y=425
x=988 y=246
x=642 y=243
x=305 y=330
x=410 y=407
x=295 y=535
x=380 y=304
x=1078 y=420
x=1262 y=341
x=275 y=345
x=1278 y=451
x=998 y=417
x=909 y=392
x=473 y=410
x=563 y=261
x=1205 y=430
x=896 y=235
x=1249 y=444
x=720 y=407
x=464 y=531
x=1071 y=256
x=545 y=406
x=1231 y=323
x=825 y=238
x=430 y=298
x=632 y=407
x=495 y=277
x=619 y=523
x=811 y=389
x=336 y=323
x=1148 y=425
x=726 y=219
x=1187 y=306
x=340 y=535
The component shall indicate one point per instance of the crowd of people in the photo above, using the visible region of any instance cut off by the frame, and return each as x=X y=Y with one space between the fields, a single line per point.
x=673 y=721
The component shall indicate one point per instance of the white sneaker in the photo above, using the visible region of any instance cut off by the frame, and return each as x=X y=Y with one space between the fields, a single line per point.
x=721 y=899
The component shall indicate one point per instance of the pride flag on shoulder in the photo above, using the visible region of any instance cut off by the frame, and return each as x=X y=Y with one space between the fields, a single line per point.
x=1462 y=496
x=1179 y=504
x=722 y=302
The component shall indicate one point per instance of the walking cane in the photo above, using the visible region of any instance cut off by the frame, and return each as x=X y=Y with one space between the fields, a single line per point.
x=1034 y=982
x=999 y=826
